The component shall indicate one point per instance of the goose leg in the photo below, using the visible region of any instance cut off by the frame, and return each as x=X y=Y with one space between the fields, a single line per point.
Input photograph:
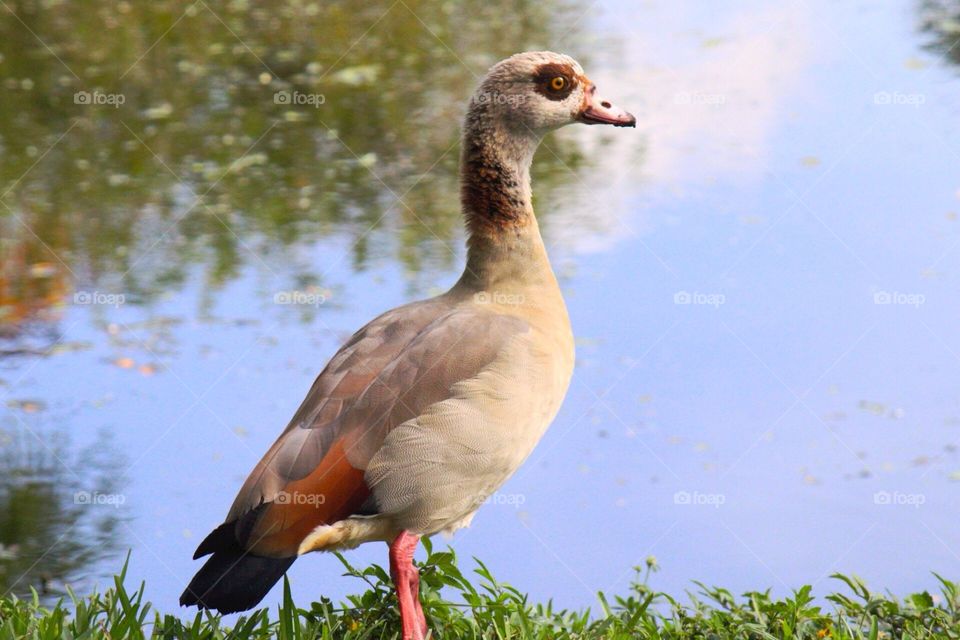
x=406 y=580
x=415 y=589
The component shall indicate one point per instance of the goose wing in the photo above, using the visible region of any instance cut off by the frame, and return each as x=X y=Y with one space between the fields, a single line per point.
x=387 y=373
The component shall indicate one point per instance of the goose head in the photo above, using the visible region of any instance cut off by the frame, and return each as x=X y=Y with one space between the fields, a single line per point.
x=541 y=91
x=519 y=100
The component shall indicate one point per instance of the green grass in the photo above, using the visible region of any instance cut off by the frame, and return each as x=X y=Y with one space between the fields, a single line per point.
x=485 y=608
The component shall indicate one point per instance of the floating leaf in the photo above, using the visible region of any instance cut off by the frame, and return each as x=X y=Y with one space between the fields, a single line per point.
x=248 y=160
x=914 y=63
x=42 y=270
x=69 y=347
x=356 y=75
x=876 y=408
x=159 y=112
x=27 y=406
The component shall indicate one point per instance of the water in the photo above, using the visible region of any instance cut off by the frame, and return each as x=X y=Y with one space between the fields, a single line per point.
x=793 y=180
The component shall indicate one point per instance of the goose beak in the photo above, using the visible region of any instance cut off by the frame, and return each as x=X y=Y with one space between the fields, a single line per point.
x=599 y=111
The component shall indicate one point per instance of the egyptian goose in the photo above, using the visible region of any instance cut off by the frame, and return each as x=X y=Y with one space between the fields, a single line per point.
x=428 y=409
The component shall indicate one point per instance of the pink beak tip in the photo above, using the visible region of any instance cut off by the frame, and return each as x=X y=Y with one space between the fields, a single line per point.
x=602 y=112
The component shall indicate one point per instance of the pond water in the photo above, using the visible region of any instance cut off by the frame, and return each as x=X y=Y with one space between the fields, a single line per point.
x=762 y=278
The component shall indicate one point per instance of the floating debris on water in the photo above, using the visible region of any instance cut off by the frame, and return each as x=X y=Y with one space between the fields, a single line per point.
x=159 y=112
x=69 y=347
x=27 y=406
x=356 y=75
x=124 y=363
x=880 y=409
x=914 y=64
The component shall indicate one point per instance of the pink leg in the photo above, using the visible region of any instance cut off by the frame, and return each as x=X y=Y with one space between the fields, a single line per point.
x=406 y=580
x=415 y=589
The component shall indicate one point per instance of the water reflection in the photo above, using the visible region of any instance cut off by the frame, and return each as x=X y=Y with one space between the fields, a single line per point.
x=941 y=19
x=151 y=148
x=744 y=108
x=140 y=140
x=60 y=509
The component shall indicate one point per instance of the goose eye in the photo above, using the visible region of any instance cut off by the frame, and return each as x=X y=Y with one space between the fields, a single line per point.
x=558 y=83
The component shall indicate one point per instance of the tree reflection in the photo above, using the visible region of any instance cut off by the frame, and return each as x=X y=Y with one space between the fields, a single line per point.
x=941 y=19
x=59 y=509
x=140 y=139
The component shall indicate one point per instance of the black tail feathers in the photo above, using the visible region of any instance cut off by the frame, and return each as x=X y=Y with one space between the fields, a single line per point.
x=232 y=579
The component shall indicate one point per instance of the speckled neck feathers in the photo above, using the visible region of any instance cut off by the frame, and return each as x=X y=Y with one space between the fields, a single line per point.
x=495 y=172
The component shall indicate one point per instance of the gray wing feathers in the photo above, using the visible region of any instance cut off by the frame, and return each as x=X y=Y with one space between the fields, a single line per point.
x=390 y=371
